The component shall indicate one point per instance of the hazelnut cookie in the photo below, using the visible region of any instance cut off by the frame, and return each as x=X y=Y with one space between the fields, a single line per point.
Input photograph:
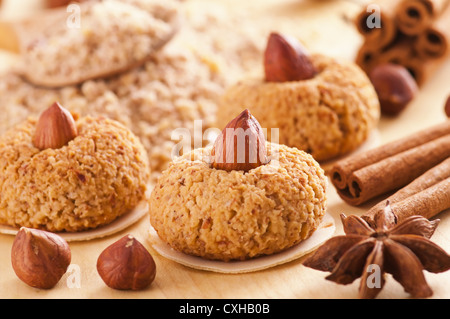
x=99 y=175
x=327 y=115
x=237 y=215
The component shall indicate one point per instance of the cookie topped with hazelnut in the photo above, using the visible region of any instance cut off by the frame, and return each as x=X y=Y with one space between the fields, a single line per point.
x=61 y=174
x=241 y=198
x=323 y=106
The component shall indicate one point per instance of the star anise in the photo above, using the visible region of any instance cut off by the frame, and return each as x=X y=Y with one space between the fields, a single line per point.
x=401 y=249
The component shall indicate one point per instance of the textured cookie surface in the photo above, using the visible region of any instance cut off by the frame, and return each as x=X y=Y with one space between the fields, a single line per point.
x=327 y=116
x=97 y=177
x=235 y=216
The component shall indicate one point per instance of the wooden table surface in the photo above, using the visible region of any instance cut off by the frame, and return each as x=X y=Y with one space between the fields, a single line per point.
x=325 y=27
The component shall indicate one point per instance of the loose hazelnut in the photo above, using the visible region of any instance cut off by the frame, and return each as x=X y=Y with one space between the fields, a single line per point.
x=39 y=258
x=285 y=59
x=240 y=146
x=126 y=265
x=447 y=107
x=55 y=128
x=395 y=87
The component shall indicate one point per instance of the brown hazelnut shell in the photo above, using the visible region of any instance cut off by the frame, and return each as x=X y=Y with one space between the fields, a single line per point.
x=39 y=258
x=126 y=265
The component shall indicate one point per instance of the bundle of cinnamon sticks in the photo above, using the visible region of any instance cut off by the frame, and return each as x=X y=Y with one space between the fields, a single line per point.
x=416 y=168
x=413 y=33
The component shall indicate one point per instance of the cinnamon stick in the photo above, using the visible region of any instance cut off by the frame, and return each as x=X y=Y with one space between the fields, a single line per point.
x=420 y=69
x=403 y=52
x=414 y=16
x=378 y=38
x=434 y=41
x=414 y=34
x=342 y=169
x=363 y=176
x=367 y=57
x=395 y=171
x=396 y=53
x=427 y=203
x=427 y=195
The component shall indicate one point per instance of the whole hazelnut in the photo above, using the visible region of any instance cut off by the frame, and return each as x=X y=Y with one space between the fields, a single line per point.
x=395 y=87
x=126 y=265
x=55 y=128
x=447 y=107
x=285 y=59
x=241 y=146
x=39 y=258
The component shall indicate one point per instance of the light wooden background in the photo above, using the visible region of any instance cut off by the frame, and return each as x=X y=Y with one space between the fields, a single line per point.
x=325 y=27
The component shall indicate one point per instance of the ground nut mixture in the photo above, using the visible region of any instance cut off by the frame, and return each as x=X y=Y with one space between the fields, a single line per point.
x=112 y=35
x=97 y=177
x=234 y=215
x=327 y=116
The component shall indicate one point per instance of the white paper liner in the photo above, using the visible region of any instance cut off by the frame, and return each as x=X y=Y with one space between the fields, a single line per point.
x=119 y=224
x=325 y=230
